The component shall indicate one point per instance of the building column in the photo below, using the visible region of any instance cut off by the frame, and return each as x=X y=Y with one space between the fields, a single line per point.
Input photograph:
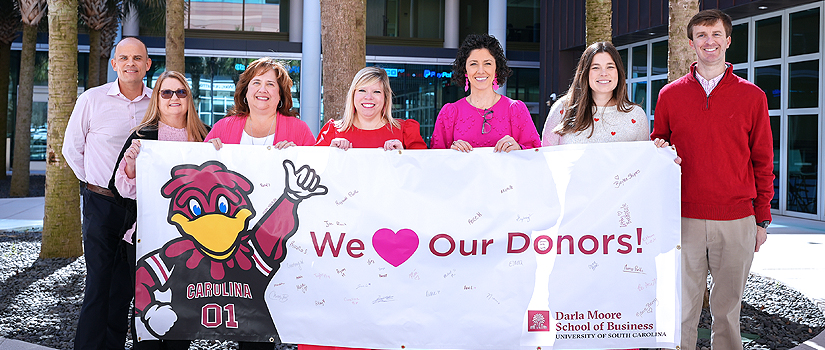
x=311 y=66
x=497 y=27
x=296 y=10
x=451 y=24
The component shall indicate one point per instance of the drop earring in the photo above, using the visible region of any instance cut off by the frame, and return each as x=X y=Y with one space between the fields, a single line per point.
x=495 y=83
x=466 y=83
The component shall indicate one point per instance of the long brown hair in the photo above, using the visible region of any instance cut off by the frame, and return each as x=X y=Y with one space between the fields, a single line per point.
x=256 y=68
x=195 y=129
x=579 y=105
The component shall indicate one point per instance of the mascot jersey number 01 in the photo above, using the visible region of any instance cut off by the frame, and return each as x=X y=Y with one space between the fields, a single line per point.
x=215 y=275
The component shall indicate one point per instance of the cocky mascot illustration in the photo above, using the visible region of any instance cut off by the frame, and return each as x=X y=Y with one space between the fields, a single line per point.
x=215 y=275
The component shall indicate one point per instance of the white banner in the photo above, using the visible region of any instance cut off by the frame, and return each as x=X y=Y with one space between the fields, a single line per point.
x=567 y=247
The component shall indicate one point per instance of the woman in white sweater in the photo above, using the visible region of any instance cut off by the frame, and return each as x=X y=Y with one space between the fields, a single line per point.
x=596 y=108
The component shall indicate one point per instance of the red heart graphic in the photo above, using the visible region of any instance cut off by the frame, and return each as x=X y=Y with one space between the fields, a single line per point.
x=596 y=119
x=612 y=133
x=633 y=121
x=395 y=248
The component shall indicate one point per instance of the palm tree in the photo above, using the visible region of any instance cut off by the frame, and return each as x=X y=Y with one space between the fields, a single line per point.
x=61 y=225
x=31 y=12
x=343 y=41
x=96 y=15
x=175 y=35
x=9 y=25
x=598 y=21
x=679 y=54
x=107 y=41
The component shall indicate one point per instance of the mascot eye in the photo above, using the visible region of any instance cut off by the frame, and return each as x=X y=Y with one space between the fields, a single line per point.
x=223 y=204
x=195 y=207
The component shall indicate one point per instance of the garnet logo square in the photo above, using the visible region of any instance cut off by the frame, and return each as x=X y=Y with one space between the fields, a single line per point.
x=538 y=321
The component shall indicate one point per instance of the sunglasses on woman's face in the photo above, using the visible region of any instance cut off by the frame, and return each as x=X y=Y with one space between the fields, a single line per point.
x=167 y=94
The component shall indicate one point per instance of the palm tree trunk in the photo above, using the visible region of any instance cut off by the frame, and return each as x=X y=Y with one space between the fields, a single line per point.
x=343 y=41
x=175 y=36
x=94 y=59
x=598 y=21
x=5 y=64
x=679 y=54
x=61 y=225
x=22 y=137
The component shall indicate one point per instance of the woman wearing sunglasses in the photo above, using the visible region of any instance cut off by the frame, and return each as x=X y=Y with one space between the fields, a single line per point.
x=171 y=116
x=368 y=121
x=262 y=114
x=484 y=118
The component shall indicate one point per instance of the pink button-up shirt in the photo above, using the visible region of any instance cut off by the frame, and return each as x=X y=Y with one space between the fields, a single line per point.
x=101 y=122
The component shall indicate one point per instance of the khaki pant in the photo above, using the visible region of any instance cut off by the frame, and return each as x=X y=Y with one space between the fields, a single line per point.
x=725 y=248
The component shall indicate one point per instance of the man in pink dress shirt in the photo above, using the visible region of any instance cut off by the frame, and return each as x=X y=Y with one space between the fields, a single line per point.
x=100 y=123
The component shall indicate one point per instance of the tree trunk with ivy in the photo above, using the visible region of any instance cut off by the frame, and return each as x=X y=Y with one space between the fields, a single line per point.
x=62 y=235
x=679 y=53
x=343 y=41
x=598 y=21
x=175 y=36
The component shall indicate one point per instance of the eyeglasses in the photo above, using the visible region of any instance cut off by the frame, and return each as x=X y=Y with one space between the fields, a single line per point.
x=485 y=125
x=167 y=94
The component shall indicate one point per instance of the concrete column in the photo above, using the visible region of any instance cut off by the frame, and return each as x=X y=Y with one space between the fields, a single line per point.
x=311 y=66
x=497 y=27
x=451 y=24
x=296 y=22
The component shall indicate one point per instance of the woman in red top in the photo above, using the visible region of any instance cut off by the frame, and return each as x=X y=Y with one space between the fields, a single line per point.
x=367 y=121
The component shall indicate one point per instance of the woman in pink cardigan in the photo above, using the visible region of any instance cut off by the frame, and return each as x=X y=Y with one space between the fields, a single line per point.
x=484 y=118
x=262 y=113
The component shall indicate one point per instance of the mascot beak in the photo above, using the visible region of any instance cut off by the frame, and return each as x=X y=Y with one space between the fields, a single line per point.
x=216 y=233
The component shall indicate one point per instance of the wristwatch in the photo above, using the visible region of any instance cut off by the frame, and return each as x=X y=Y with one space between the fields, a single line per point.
x=763 y=224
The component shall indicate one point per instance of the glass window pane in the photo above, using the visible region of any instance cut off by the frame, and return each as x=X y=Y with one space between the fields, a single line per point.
x=655 y=86
x=522 y=21
x=738 y=50
x=262 y=16
x=216 y=14
x=803 y=86
x=776 y=157
x=768 y=38
x=768 y=78
x=623 y=55
x=639 y=91
x=639 y=61
x=742 y=73
x=805 y=32
x=659 y=58
x=802 y=163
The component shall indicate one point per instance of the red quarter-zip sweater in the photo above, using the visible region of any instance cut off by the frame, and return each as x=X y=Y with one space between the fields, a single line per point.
x=726 y=146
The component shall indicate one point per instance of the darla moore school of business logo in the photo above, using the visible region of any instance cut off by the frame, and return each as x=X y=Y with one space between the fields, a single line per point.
x=538 y=321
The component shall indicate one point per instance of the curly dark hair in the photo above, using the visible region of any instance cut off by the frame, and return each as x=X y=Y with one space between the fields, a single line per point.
x=480 y=41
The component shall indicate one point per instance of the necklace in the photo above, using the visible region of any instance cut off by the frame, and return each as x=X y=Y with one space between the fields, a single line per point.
x=475 y=103
x=267 y=133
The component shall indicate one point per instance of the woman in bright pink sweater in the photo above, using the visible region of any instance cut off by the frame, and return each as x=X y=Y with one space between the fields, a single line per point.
x=484 y=118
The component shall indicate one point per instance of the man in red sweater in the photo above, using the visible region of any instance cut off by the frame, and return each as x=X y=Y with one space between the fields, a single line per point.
x=719 y=124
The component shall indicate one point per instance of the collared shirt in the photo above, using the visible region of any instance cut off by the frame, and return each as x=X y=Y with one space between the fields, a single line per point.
x=709 y=85
x=101 y=122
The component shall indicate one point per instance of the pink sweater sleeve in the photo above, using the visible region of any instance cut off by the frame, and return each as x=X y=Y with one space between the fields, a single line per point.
x=123 y=183
x=444 y=127
x=522 y=126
